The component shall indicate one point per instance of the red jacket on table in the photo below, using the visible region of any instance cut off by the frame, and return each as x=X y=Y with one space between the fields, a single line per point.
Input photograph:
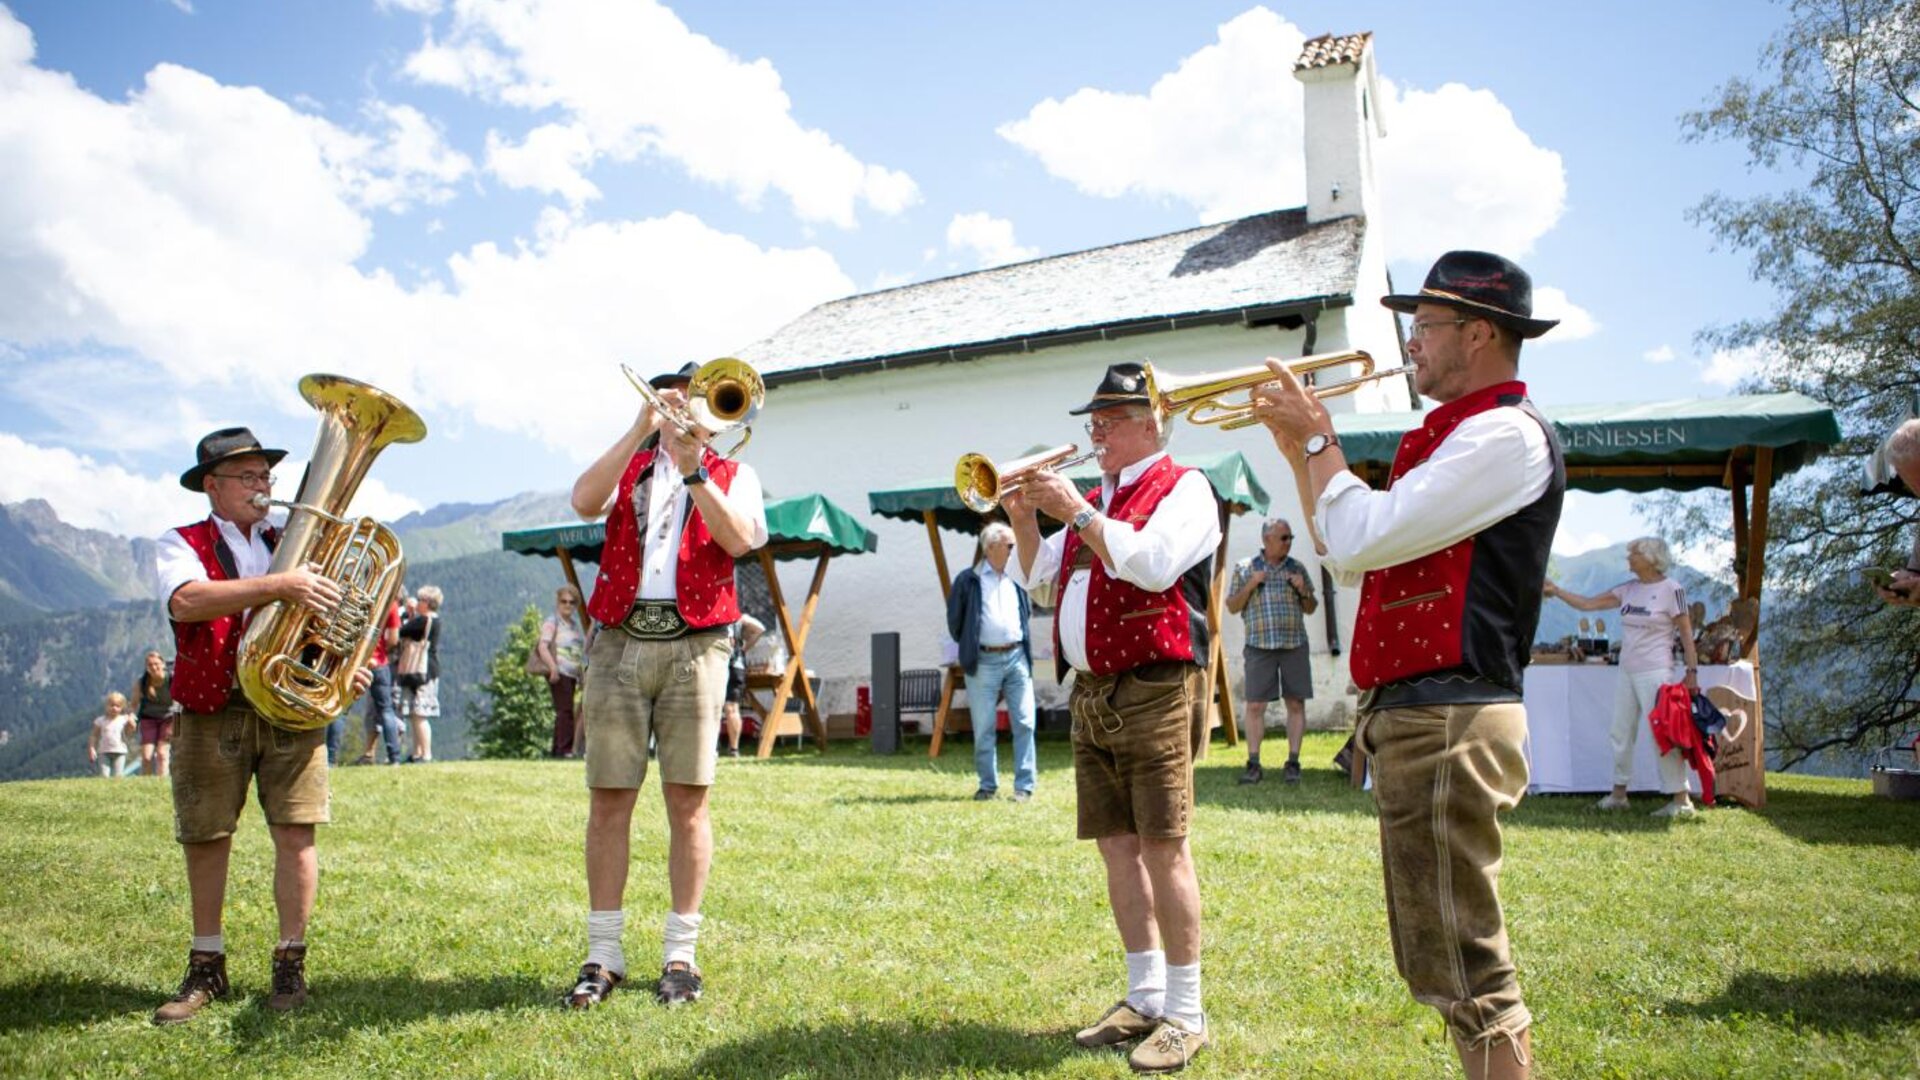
x=703 y=575
x=205 y=652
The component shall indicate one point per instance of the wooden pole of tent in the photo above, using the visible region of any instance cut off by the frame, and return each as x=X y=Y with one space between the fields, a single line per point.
x=1218 y=688
x=796 y=649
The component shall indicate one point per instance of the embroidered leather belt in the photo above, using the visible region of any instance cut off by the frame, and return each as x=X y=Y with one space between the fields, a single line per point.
x=1455 y=686
x=655 y=620
x=1000 y=648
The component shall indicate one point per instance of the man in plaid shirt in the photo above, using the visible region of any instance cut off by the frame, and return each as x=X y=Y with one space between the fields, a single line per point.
x=1272 y=593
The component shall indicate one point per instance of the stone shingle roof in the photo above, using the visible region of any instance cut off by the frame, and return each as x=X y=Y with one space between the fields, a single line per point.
x=1261 y=267
x=1328 y=50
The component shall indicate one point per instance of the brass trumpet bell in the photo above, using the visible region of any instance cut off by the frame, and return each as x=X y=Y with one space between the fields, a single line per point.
x=723 y=395
x=981 y=484
x=1203 y=398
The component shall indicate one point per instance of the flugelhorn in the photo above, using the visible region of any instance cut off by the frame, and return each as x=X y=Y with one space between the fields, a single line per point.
x=724 y=395
x=1203 y=397
x=296 y=664
x=982 y=484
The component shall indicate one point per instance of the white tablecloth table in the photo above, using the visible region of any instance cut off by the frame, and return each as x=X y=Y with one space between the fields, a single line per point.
x=1569 y=711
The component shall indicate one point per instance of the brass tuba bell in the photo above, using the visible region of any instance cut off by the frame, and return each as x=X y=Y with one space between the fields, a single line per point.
x=296 y=664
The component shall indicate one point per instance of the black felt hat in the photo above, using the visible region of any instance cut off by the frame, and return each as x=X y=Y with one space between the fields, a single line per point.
x=221 y=445
x=684 y=375
x=1482 y=284
x=1123 y=384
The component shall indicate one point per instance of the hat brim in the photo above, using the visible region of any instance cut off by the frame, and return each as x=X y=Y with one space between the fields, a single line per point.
x=192 y=478
x=661 y=382
x=1110 y=402
x=1519 y=324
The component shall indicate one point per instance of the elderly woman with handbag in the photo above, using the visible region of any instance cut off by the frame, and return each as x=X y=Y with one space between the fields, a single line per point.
x=418 y=672
x=556 y=657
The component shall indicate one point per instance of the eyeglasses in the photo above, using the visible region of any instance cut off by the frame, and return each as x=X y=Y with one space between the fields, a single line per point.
x=1101 y=427
x=1288 y=538
x=1421 y=328
x=250 y=479
x=568 y=601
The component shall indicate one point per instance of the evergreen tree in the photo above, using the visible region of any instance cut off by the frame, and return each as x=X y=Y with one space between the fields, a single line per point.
x=517 y=721
x=1835 y=106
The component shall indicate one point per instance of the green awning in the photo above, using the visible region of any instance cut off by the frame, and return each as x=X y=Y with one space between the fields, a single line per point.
x=1230 y=474
x=1646 y=446
x=797 y=528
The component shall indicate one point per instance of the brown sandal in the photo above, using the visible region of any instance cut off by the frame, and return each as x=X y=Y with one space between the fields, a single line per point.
x=596 y=983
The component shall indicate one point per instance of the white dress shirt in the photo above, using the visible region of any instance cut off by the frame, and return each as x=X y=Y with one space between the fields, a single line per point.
x=667 y=504
x=999 y=606
x=175 y=563
x=1490 y=467
x=1184 y=529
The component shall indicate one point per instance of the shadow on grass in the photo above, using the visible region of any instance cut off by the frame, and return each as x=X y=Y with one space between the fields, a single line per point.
x=903 y=800
x=70 y=1001
x=1834 y=1002
x=1321 y=789
x=866 y=1048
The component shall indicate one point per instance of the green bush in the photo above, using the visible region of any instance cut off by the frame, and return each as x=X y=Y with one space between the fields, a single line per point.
x=517 y=719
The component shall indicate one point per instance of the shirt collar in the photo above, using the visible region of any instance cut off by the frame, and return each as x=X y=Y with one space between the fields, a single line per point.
x=229 y=528
x=1132 y=472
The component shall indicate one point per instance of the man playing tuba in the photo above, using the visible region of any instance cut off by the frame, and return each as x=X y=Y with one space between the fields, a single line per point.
x=213 y=574
x=678 y=515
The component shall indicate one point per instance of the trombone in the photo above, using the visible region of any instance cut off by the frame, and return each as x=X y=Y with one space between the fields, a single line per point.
x=1202 y=397
x=724 y=395
x=982 y=484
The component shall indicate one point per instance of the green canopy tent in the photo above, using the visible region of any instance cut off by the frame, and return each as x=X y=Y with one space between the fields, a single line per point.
x=937 y=505
x=802 y=527
x=1731 y=443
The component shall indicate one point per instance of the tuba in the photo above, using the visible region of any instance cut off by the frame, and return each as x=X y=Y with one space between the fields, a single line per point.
x=296 y=664
x=724 y=395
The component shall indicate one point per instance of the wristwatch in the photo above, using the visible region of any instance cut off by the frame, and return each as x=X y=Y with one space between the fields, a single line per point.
x=1084 y=518
x=697 y=476
x=1319 y=441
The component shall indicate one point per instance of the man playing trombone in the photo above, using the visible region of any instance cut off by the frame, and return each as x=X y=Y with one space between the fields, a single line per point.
x=678 y=515
x=1130 y=576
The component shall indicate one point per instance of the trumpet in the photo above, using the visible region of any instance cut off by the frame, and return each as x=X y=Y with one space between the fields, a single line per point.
x=724 y=395
x=982 y=484
x=1202 y=397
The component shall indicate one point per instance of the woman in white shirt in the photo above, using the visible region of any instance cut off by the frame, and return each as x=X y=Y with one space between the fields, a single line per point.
x=1653 y=608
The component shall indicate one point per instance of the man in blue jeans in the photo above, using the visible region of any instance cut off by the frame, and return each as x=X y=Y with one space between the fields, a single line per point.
x=987 y=614
x=383 y=720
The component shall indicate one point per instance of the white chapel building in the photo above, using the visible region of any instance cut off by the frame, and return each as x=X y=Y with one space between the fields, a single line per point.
x=887 y=389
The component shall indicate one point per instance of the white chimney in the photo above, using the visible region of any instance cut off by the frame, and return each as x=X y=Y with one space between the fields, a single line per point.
x=1342 y=118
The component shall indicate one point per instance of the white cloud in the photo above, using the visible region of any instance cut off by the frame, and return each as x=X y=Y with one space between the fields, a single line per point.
x=636 y=80
x=92 y=494
x=185 y=7
x=196 y=249
x=1728 y=367
x=1664 y=354
x=1575 y=321
x=548 y=160
x=418 y=7
x=1224 y=132
x=987 y=238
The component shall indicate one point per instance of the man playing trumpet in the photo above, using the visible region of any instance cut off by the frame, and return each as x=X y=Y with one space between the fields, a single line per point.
x=678 y=515
x=1130 y=577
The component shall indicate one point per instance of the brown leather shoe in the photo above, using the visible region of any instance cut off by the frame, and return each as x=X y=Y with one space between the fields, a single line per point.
x=1117 y=1025
x=1167 y=1050
x=206 y=979
x=289 y=978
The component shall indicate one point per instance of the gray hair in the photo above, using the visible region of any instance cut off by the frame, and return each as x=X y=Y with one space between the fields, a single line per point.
x=1904 y=444
x=1162 y=426
x=431 y=596
x=996 y=532
x=1272 y=523
x=1655 y=551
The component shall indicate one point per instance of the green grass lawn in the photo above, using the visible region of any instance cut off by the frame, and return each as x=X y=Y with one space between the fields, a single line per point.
x=866 y=919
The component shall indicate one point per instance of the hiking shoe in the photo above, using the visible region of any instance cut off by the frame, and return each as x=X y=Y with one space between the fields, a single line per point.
x=1117 y=1025
x=206 y=979
x=679 y=984
x=983 y=795
x=1612 y=802
x=595 y=984
x=1167 y=1050
x=1674 y=809
x=1022 y=796
x=1253 y=775
x=289 y=978
x=1291 y=772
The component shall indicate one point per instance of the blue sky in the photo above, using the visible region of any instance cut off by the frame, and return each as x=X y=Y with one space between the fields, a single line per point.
x=483 y=205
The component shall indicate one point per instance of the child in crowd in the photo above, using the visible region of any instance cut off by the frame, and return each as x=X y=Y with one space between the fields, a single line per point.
x=107 y=745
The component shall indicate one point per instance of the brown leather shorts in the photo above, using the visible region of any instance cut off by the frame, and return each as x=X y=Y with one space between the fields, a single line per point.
x=1135 y=737
x=216 y=754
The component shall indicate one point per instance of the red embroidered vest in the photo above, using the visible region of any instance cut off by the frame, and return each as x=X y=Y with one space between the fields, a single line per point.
x=204 y=652
x=1127 y=626
x=1472 y=606
x=703 y=575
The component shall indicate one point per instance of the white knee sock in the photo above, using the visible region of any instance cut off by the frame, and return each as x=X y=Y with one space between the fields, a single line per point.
x=1147 y=982
x=682 y=933
x=603 y=940
x=210 y=943
x=1183 y=996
